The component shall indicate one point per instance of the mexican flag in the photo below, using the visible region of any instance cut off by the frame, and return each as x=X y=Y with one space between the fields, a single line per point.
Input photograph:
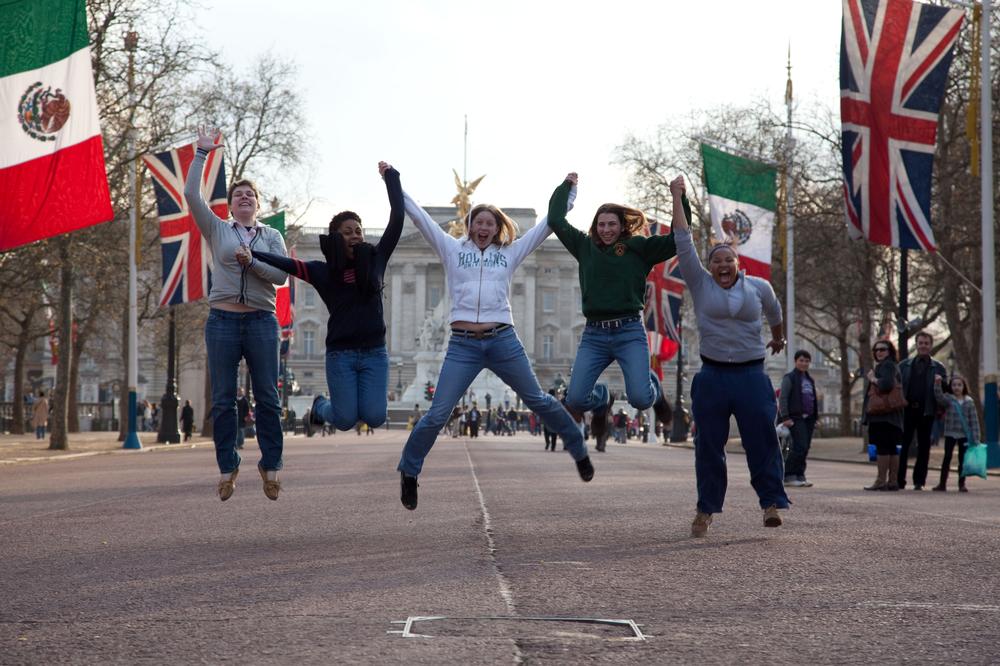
x=52 y=177
x=742 y=199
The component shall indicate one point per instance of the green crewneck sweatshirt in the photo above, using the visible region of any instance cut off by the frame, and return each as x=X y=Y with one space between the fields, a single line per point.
x=612 y=277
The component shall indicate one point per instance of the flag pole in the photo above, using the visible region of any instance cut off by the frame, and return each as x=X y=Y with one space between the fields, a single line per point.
x=132 y=439
x=990 y=402
x=789 y=226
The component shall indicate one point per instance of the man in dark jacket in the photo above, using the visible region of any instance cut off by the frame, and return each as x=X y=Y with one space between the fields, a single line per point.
x=918 y=387
x=798 y=407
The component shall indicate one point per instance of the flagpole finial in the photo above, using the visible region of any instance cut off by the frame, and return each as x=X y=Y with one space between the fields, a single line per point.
x=788 y=82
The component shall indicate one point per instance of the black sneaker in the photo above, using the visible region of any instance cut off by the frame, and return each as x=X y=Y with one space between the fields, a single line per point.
x=599 y=423
x=584 y=467
x=664 y=414
x=313 y=414
x=408 y=490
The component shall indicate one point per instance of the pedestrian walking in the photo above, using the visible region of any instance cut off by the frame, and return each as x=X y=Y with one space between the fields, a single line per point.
x=728 y=306
x=242 y=417
x=614 y=259
x=918 y=374
x=620 y=423
x=550 y=435
x=961 y=424
x=241 y=322
x=473 y=420
x=478 y=271
x=885 y=428
x=187 y=420
x=40 y=415
x=797 y=410
x=350 y=281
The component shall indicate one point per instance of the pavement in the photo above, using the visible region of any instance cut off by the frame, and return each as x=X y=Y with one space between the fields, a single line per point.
x=119 y=557
x=27 y=449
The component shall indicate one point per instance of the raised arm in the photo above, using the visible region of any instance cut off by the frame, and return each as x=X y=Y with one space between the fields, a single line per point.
x=427 y=227
x=207 y=221
x=692 y=270
x=527 y=243
x=559 y=205
x=394 y=229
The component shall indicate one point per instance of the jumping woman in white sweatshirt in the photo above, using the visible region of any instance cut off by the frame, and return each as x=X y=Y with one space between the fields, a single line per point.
x=478 y=271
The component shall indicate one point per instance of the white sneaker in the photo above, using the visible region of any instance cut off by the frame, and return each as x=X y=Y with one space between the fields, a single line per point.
x=794 y=483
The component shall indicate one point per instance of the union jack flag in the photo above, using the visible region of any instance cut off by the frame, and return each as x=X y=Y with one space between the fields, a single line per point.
x=187 y=259
x=662 y=312
x=894 y=60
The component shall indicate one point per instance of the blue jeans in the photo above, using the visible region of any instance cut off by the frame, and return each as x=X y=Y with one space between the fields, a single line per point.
x=802 y=434
x=746 y=393
x=598 y=348
x=230 y=336
x=40 y=432
x=358 y=380
x=504 y=355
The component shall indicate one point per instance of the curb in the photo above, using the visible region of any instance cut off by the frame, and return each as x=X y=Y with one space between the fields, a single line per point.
x=102 y=452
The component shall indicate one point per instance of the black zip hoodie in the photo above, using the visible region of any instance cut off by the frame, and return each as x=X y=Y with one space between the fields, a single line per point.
x=357 y=320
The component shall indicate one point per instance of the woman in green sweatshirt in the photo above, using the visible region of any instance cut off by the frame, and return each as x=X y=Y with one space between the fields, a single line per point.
x=614 y=259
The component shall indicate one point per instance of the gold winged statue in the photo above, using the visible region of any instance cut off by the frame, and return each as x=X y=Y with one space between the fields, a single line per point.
x=457 y=226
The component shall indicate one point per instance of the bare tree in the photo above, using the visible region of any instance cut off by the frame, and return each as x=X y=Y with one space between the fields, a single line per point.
x=259 y=113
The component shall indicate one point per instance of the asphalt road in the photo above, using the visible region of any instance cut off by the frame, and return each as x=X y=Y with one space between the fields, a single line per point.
x=132 y=559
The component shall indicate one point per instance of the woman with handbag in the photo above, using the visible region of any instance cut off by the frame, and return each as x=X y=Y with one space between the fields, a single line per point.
x=883 y=413
x=961 y=427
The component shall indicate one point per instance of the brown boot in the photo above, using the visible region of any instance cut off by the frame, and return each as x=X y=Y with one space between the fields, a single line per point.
x=881 y=467
x=892 y=477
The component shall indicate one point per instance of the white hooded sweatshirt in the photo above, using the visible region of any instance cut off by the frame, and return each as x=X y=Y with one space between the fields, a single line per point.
x=478 y=280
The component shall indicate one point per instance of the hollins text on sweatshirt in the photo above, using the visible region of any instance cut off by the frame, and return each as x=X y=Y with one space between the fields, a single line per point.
x=478 y=280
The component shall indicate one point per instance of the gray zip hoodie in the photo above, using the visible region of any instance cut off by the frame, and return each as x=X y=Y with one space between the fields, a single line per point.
x=252 y=285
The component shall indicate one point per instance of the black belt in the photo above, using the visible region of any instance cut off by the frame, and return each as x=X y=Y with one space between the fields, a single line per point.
x=731 y=364
x=612 y=323
x=479 y=335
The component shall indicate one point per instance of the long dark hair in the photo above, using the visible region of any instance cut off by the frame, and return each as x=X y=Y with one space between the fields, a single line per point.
x=633 y=221
x=892 y=350
x=334 y=248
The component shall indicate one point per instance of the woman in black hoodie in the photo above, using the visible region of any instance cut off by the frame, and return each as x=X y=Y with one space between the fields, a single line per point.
x=350 y=282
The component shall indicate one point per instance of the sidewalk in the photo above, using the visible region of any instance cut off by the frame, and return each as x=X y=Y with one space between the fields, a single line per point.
x=26 y=449
x=848 y=450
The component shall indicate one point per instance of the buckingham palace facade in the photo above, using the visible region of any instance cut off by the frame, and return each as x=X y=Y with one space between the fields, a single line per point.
x=547 y=310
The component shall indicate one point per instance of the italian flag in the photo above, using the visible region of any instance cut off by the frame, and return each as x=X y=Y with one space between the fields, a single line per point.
x=52 y=177
x=742 y=199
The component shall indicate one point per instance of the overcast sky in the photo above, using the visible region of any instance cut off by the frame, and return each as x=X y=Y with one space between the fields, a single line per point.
x=548 y=87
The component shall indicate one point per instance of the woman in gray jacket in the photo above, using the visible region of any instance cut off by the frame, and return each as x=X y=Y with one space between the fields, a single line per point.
x=241 y=323
x=730 y=308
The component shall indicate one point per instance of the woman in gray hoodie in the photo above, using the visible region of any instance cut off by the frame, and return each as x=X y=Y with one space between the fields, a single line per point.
x=241 y=323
